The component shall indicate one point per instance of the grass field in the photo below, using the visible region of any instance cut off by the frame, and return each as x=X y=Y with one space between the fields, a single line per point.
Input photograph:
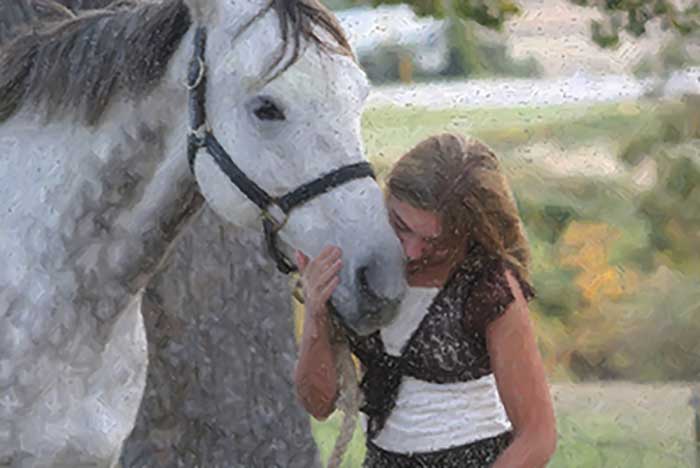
x=611 y=425
x=390 y=131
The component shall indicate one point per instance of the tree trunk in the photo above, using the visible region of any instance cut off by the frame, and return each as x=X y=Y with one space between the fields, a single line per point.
x=219 y=390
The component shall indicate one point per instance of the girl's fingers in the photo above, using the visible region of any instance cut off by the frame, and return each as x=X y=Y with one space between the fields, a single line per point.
x=327 y=291
x=328 y=255
x=329 y=250
x=321 y=274
x=326 y=275
x=316 y=285
x=325 y=259
x=302 y=261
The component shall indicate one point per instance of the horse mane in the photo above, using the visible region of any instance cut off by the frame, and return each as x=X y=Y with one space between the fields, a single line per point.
x=75 y=55
x=17 y=17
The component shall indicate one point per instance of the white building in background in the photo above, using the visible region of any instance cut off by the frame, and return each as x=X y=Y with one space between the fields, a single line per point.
x=396 y=27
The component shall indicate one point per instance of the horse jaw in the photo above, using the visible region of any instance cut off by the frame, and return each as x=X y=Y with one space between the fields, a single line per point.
x=320 y=97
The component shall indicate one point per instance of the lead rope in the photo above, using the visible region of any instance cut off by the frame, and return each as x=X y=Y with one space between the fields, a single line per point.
x=349 y=396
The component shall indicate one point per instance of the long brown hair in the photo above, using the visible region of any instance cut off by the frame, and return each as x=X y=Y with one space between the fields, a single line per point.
x=462 y=180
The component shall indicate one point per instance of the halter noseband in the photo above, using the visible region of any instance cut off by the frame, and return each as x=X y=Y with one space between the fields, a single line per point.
x=275 y=210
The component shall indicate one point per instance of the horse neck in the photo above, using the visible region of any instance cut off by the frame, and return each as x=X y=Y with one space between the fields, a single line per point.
x=151 y=159
x=92 y=210
x=124 y=188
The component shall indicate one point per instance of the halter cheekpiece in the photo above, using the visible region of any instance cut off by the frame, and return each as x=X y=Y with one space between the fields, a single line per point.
x=275 y=210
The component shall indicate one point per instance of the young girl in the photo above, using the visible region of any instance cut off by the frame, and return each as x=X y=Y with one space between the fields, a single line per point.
x=457 y=379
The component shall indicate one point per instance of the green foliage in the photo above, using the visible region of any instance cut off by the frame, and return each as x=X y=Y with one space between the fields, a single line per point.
x=486 y=13
x=557 y=296
x=604 y=35
x=628 y=15
x=473 y=55
x=671 y=206
x=673 y=56
x=598 y=300
x=489 y=13
x=632 y=16
x=660 y=343
x=383 y=66
x=469 y=54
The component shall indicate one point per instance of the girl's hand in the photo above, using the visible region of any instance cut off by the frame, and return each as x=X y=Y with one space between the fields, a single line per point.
x=319 y=277
x=315 y=377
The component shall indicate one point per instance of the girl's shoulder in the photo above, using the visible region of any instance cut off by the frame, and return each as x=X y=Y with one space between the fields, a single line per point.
x=490 y=293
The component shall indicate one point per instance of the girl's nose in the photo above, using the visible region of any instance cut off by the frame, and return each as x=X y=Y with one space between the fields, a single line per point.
x=413 y=248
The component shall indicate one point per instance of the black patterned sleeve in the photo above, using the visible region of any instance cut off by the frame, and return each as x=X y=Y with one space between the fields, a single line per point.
x=491 y=295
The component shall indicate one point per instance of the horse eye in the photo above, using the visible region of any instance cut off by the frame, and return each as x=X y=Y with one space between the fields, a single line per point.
x=265 y=109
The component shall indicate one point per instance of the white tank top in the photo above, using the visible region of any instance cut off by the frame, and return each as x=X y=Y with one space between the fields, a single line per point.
x=429 y=416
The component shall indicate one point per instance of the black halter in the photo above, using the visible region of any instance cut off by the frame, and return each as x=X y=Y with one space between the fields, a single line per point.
x=275 y=210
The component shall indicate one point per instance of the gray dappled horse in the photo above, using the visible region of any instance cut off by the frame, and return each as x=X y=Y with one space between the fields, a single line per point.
x=95 y=136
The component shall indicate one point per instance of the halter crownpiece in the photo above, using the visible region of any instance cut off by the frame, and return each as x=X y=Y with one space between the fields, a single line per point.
x=275 y=210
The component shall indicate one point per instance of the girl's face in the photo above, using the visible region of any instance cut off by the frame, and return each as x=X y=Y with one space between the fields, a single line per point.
x=429 y=261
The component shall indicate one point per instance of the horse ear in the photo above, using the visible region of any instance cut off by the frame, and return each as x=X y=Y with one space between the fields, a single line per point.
x=202 y=10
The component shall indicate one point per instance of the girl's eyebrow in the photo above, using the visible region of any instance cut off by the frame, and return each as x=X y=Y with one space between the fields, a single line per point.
x=404 y=227
x=399 y=221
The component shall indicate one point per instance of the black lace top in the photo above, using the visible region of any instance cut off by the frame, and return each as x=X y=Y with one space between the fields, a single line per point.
x=448 y=346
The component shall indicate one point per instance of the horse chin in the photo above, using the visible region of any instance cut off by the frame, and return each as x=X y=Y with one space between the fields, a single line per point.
x=367 y=317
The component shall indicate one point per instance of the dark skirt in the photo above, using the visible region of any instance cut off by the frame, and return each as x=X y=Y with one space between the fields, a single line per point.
x=478 y=454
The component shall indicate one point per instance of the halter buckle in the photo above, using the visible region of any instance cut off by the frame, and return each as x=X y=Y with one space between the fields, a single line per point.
x=200 y=132
x=275 y=215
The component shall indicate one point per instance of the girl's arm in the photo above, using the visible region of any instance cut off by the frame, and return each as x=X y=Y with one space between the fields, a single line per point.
x=522 y=385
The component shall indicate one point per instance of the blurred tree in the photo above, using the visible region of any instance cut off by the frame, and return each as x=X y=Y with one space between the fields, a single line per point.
x=470 y=53
x=678 y=53
x=628 y=15
x=631 y=16
x=489 y=13
x=671 y=205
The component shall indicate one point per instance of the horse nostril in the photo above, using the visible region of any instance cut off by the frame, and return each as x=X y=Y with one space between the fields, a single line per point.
x=366 y=291
x=363 y=283
x=376 y=310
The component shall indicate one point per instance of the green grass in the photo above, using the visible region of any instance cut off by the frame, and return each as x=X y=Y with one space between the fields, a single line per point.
x=586 y=442
x=623 y=425
x=617 y=425
x=390 y=131
x=600 y=441
x=325 y=433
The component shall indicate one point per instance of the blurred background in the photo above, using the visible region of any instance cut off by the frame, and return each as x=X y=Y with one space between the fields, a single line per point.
x=594 y=109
